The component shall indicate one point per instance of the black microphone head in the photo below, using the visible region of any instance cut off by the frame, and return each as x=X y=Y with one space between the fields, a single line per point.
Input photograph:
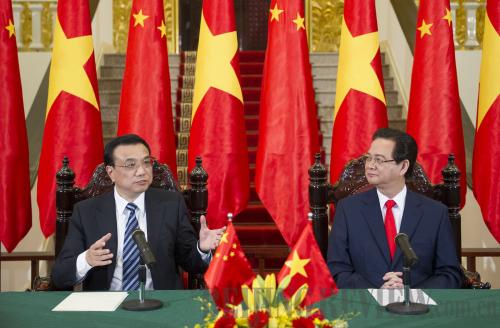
x=403 y=241
x=145 y=252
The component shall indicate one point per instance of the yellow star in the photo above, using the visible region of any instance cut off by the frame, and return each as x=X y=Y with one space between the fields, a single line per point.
x=139 y=18
x=297 y=265
x=213 y=65
x=299 y=21
x=355 y=70
x=234 y=245
x=67 y=71
x=447 y=16
x=11 y=28
x=424 y=29
x=163 y=29
x=275 y=13
x=217 y=254
x=231 y=254
x=489 y=83
x=224 y=238
x=224 y=258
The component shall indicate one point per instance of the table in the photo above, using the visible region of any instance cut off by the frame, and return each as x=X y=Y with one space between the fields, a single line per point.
x=456 y=308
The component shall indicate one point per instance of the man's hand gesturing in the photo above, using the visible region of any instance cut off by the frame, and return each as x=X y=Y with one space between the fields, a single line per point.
x=97 y=255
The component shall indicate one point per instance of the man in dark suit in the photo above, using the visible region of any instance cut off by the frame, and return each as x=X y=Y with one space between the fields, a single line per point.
x=99 y=250
x=362 y=252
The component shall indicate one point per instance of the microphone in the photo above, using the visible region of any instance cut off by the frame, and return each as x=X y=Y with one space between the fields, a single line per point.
x=409 y=254
x=147 y=255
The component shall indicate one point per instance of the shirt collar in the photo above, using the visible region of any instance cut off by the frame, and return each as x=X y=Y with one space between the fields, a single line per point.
x=121 y=202
x=399 y=198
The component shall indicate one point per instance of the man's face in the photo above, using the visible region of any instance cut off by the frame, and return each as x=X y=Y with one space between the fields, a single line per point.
x=380 y=168
x=132 y=172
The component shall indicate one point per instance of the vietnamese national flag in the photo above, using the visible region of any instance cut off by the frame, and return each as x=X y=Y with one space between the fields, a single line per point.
x=146 y=103
x=305 y=265
x=288 y=128
x=485 y=166
x=360 y=107
x=217 y=120
x=73 y=119
x=229 y=270
x=434 y=117
x=15 y=203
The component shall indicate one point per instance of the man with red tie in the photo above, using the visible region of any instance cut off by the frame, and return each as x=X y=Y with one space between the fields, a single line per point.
x=362 y=252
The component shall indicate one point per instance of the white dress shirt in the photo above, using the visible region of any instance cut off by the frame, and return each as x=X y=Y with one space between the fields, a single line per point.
x=122 y=214
x=397 y=210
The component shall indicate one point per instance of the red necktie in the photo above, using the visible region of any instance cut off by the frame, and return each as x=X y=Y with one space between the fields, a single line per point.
x=390 y=227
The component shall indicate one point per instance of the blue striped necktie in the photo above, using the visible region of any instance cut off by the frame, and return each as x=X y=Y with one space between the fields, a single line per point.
x=130 y=279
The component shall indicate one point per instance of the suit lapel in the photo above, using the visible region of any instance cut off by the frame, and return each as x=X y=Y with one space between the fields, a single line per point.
x=153 y=217
x=411 y=218
x=106 y=221
x=373 y=217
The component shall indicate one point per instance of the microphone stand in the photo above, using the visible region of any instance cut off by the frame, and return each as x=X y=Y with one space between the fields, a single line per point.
x=407 y=307
x=142 y=304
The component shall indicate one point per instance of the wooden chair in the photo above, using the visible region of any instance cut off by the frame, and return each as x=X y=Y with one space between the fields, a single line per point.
x=353 y=181
x=67 y=195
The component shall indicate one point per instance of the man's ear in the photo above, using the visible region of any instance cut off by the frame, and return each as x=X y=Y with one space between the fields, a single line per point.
x=404 y=168
x=109 y=170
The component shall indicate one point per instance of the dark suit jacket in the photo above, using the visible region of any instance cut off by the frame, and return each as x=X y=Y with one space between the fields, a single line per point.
x=170 y=236
x=358 y=254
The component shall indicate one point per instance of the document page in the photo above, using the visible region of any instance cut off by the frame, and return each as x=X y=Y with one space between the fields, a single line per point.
x=387 y=296
x=91 y=301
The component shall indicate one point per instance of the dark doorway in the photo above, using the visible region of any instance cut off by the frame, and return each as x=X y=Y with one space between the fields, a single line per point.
x=251 y=23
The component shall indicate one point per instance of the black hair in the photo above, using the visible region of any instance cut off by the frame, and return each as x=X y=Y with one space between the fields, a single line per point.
x=126 y=139
x=405 y=146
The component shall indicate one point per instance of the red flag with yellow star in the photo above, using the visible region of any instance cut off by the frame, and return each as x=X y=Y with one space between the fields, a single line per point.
x=288 y=128
x=15 y=203
x=229 y=270
x=434 y=103
x=360 y=107
x=305 y=265
x=73 y=118
x=146 y=103
x=217 y=120
x=485 y=169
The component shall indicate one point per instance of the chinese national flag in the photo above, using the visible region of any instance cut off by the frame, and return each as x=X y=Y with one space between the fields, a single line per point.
x=360 y=107
x=288 y=130
x=217 y=122
x=434 y=117
x=305 y=265
x=485 y=167
x=228 y=271
x=73 y=118
x=15 y=203
x=146 y=103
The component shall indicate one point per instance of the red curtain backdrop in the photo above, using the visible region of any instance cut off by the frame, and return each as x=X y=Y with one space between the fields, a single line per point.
x=145 y=103
x=217 y=122
x=15 y=203
x=288 y=128
x=434 y=117
x=73 y=118
x=360 y=105
x=485 y=166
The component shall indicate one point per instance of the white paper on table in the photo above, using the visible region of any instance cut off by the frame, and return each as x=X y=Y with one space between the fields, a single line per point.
x=91 y=301
x=387 y=296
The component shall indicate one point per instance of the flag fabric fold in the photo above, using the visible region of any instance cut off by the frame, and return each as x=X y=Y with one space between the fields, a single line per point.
x=288 y=128
x=360 y=105
x=146 y=102
x=228 y=271
x=434 y=115
x=15 y=203
x=305 y=265
x=217 y=121
x=73 y=125
x=485 y=169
